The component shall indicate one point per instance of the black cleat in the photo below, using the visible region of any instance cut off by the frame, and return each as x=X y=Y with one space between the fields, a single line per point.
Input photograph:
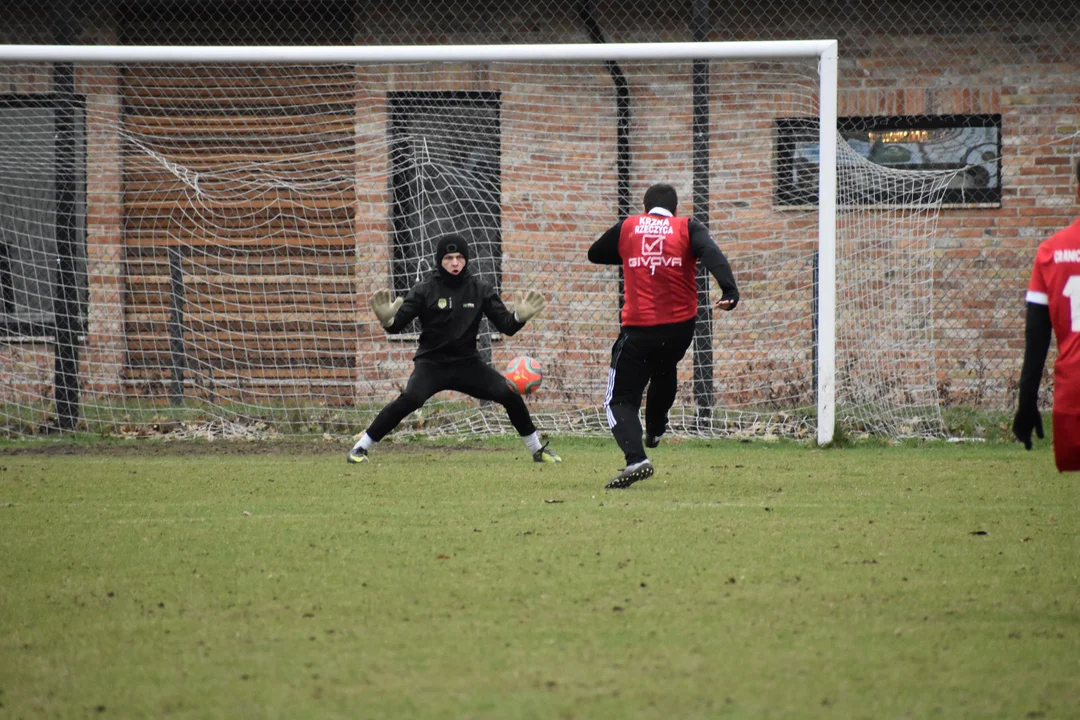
x=359 y=455
x=651 y=441
x=630 y=475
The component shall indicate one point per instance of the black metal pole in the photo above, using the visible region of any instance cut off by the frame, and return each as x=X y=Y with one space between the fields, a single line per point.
x=622 y=138
x=623 y=155
x=176 y=324
x=66 y=299
x=703 y=340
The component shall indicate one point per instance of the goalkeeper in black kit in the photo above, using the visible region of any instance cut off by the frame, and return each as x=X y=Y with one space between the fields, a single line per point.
x=659 y=253
x=450 y=304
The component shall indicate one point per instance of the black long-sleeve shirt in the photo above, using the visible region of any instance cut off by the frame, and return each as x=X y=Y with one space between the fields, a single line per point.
x=450 y=317
x=1037 y=334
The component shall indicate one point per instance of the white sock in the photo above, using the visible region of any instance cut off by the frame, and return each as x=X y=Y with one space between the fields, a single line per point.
x=533 y=442
x=364 y=443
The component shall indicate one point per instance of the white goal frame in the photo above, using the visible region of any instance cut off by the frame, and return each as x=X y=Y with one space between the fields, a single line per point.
x=824 y=50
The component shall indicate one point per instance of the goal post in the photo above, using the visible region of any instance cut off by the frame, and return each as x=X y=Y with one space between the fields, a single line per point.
x=826 y=311
x=376 y=54
x=254 y=196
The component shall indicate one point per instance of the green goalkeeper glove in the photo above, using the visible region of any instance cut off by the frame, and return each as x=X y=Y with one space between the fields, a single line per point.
x=384 y=309
x=529 y=306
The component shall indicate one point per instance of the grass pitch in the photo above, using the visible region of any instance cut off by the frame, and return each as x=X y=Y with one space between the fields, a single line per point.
x=743 y=580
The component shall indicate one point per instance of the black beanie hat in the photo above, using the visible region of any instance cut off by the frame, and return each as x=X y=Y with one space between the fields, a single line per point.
x=452 y=243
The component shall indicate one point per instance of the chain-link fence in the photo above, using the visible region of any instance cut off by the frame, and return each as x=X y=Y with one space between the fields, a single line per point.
x=988 y=87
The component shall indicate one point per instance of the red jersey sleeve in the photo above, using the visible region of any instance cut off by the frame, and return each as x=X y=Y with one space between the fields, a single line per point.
x=1037 y=289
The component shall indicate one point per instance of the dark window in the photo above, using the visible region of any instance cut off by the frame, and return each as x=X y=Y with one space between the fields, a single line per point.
x=970 y=144
x=445 y=158
x=29 y=190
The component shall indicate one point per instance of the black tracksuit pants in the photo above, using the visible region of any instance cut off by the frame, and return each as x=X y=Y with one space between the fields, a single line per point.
x=644 y=356
x=472 y=377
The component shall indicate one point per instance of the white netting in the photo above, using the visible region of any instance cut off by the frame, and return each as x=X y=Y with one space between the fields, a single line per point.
x=887 y=382
x=234 y=220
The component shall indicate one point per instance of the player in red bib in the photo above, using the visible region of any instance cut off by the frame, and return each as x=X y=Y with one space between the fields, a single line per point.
x=659 y=253
x=1053 y=302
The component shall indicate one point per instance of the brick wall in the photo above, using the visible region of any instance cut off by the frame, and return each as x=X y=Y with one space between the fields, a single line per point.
x=982 y=255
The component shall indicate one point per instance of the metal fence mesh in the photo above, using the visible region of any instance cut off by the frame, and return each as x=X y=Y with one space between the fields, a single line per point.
x=1017 y=61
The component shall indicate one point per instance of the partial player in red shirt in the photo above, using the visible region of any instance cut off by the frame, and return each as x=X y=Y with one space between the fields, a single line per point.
x=1053 y=302
x=659 y=253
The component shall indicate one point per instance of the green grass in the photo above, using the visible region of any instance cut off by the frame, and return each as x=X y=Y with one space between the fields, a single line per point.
x=743 y=580
x=135 y=418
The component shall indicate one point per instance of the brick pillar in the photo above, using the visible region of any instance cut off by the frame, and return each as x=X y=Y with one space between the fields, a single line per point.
x=105 y=342
x=375 y=366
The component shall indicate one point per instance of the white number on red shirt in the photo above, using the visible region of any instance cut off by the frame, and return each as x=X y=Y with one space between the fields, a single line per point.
x=1072 y=291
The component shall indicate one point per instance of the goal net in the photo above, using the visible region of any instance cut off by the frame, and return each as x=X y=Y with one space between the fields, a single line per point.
x=188 y=246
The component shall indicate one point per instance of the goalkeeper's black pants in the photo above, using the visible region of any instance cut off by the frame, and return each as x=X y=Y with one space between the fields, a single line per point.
x=472 y=377
x=644 y=356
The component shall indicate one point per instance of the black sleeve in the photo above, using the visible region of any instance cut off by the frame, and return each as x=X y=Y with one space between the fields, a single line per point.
x=605 y=251
x=1037 y=332
x=708 y=254
x=496 y=311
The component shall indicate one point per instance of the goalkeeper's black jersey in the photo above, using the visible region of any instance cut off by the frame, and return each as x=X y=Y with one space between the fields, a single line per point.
x=450 y=317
